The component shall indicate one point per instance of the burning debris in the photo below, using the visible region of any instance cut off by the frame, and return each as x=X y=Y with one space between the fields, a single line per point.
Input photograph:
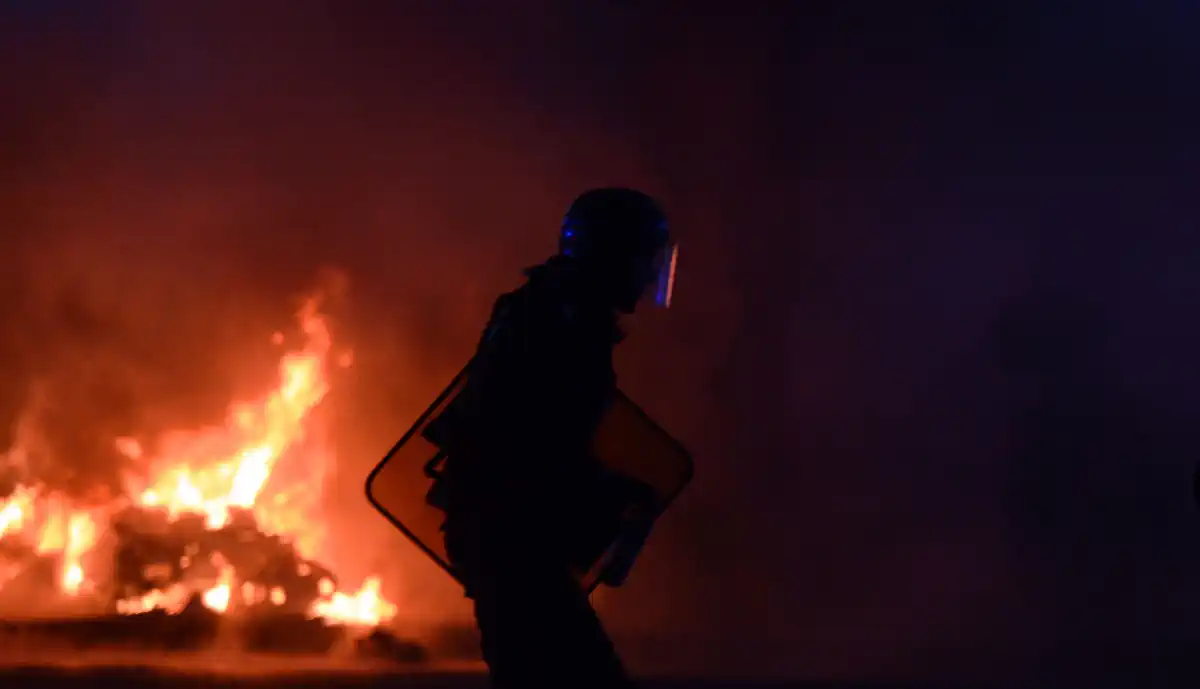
x=220 y=522
x=161 y=563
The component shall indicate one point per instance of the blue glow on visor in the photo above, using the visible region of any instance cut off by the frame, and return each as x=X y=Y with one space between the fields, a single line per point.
x=664 y=289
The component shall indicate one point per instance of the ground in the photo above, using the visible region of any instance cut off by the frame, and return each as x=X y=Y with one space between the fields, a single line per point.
x=151 y=670
x=153 y=678
x=144 y=678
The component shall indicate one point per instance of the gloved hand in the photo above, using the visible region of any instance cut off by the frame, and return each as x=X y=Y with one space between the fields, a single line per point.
x=626 y=551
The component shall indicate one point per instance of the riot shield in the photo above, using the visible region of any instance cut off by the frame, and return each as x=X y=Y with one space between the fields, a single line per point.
x=628 y=443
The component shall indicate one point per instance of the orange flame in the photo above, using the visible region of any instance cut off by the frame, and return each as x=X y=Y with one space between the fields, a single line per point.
x=261 y=458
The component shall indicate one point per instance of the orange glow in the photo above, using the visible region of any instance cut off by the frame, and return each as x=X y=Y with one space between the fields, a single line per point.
x=359 y=608
x=262 y=459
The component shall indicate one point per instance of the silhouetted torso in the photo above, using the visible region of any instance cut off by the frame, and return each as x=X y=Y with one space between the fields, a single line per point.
x=518 y=437
x=520 y=484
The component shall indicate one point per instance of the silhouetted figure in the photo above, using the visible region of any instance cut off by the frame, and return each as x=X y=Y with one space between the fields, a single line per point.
x=524 y=499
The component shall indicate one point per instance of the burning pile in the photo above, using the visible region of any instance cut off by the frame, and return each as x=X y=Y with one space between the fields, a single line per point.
x=227 y=517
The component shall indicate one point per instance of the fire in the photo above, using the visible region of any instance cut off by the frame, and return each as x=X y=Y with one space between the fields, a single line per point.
x=217 y=597
x=261 y=463
x=359 y=608
x=57 y=529
x=14 y=510
x=81 y=537
x=213 y=471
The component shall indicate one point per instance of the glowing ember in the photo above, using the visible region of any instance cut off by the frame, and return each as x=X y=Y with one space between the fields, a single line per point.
x=217 y=597
x=260 y=464
x=171 y=600
x=81 y=537
x=360 y=608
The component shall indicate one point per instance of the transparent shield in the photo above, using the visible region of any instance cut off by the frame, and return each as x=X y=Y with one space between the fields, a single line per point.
x=628 y=442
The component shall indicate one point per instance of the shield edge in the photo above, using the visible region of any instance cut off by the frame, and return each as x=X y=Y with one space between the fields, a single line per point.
x=433 y=407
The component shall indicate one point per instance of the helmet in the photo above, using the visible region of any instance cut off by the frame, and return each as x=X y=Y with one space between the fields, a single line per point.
x=623 y=233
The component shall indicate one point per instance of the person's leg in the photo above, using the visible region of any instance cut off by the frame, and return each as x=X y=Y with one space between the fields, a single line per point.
x=537 y=627
x=539 y=630
x=508 y=643
x=587 y=657
x=507 y=637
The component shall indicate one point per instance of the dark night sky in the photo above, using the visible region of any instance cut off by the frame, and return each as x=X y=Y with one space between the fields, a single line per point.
x=932 y=348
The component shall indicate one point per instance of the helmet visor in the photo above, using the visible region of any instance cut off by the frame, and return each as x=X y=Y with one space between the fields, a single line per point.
x=666 y=264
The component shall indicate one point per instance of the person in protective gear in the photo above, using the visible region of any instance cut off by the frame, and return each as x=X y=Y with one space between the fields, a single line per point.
x=526 y=506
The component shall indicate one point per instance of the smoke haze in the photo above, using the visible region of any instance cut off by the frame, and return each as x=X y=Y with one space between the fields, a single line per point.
x=888 y=223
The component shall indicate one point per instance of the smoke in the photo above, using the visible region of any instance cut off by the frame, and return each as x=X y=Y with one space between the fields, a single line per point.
x=859 y=200
x=181 y=174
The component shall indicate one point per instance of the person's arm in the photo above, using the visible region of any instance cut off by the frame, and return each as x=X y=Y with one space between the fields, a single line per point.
x=520 y=383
